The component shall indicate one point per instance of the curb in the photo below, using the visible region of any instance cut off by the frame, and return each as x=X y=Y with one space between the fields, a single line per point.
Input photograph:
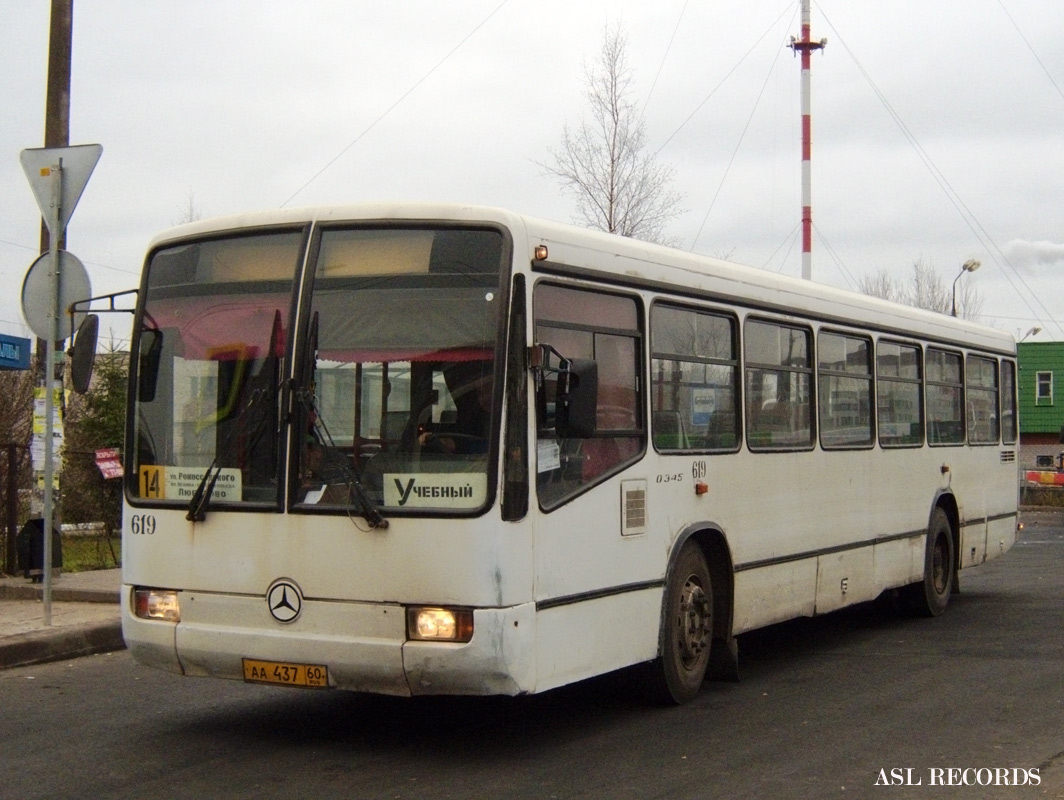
x=40 y=647
x=35 y=591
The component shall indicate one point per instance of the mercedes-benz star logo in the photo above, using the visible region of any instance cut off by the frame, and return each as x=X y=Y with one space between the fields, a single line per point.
x=284 y=600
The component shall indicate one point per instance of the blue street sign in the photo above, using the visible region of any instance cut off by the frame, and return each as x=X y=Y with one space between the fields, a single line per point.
x=14 y=352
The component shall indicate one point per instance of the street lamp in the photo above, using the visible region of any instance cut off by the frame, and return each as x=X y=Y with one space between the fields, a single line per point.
x=971 y=265
x=1032 y=332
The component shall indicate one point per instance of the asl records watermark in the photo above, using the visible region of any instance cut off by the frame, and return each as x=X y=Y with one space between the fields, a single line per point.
x=958 y=776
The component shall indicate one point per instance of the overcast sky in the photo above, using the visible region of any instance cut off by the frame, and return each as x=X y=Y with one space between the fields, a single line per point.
x=938 y=125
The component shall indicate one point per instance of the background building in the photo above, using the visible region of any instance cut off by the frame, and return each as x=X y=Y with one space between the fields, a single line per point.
x=1041 y=387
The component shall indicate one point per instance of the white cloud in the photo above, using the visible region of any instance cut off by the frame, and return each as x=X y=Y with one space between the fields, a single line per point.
x=1034 y=255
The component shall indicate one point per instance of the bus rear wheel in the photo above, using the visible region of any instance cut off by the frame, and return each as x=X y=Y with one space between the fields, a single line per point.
x=929 y=597
x=687 y=629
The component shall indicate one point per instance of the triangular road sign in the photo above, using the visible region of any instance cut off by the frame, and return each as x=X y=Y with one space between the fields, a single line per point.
x=77 y=162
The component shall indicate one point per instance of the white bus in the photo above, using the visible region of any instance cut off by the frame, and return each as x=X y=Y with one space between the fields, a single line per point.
x=452 y=450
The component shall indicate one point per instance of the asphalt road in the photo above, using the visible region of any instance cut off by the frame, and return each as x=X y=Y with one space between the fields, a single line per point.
x=863 y=703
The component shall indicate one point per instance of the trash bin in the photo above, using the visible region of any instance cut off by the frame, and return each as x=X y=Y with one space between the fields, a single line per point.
x=30 y=546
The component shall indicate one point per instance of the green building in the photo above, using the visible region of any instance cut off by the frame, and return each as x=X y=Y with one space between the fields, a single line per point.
x=1041 y=387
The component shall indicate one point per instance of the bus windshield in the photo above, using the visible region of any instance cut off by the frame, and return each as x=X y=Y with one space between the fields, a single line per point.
x=392 y=382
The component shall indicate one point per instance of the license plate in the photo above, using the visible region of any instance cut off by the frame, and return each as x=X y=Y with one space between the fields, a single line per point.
x=281 y=673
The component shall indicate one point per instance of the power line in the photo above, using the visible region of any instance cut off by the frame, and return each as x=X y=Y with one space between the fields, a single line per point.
x=722 y=81
x=394 y=105
x=21 y=246
x=788 y=240
x=1033 y=53
x=20 y=323
x=851 y=282
x=955 y=199
x=738 y=144
x=664 y=58
x=35 y=249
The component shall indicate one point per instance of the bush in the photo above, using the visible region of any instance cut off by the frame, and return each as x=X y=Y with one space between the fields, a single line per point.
x=1031 y=495
x=94 y=422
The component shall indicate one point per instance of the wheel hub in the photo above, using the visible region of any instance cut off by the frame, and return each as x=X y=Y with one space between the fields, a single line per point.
x=695 y=620
x=940 y=576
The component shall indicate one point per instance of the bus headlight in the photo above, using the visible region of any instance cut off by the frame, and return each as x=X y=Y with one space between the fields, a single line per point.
x=439 y=624
x=160 y=604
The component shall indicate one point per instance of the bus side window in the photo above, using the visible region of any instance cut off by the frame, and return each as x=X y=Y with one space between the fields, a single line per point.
x=981 y=391
x=604 y=328
x=779 y=377
x=694 y=379
x=899 y=400
x=1008 y=402
x=945 y=397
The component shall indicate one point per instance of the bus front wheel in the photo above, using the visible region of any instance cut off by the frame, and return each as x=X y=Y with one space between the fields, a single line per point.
x=687 y=629
x=929 y=597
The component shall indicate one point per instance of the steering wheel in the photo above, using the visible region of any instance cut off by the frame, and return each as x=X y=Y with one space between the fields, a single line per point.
x=435 y=442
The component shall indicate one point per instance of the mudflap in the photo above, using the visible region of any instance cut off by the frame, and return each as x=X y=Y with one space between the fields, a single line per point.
x=724 y=660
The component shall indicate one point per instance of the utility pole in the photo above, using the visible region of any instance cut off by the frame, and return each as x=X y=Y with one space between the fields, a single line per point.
x=57 y=103
x=805 y=46
x=56 y=115
x=56 y=134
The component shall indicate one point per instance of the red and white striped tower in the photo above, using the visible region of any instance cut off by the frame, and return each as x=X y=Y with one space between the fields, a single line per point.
x=805 y=46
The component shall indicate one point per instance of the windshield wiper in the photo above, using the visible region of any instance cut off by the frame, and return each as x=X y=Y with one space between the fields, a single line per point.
x=369 y=511
x=197 y=506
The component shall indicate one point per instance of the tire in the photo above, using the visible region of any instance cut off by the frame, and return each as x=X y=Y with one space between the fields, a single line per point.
x=687 y=629
x=929 y=597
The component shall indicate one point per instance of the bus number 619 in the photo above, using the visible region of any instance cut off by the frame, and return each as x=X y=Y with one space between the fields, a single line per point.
x=142 y=524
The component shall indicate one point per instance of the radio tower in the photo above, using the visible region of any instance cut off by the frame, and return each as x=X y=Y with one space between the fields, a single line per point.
x=805 y=46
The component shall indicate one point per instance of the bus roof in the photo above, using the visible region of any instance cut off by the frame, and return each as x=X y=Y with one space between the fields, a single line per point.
x=618 y=259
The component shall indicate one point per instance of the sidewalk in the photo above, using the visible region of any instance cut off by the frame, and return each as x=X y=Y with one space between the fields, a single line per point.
x=85 y=617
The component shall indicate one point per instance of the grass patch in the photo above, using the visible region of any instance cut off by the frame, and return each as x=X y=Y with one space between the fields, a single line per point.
x=82 y=553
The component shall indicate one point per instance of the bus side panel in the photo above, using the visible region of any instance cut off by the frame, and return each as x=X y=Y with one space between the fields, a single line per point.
x=581 y=550
x=771 y=594
x=899 y=562
x=973 y=543
x=984 y=484
x=845 y=578
x=579 y=640
x=1001 y=535
x=580 y=547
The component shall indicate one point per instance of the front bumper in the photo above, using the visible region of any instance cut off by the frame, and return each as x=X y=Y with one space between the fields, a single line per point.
x=364 y=645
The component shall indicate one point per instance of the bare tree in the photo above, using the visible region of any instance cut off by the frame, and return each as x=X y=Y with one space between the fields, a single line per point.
x=190 y=212
x=924 y=289
x=16 y=430
x=619 y=186
x=16 y=406
x=882 y=284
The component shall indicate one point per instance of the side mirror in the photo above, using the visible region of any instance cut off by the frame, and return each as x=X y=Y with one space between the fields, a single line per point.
x=83 y=353
x=577 y=399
